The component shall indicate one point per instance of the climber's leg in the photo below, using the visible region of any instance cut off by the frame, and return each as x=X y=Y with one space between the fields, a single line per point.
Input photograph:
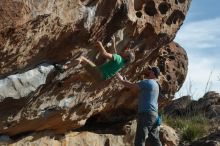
x=91 y=68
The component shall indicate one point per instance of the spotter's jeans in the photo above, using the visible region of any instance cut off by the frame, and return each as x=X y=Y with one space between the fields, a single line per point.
x=147 y=130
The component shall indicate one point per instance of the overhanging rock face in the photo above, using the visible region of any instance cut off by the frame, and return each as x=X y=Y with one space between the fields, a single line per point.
x=55 y=31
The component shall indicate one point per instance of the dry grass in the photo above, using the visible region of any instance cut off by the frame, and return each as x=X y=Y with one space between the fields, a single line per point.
x=189 y=128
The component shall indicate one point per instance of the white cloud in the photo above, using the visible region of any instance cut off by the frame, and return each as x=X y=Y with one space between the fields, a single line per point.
x=202 y=77
x=198 y=38
x=200 y=34
x=200 y=70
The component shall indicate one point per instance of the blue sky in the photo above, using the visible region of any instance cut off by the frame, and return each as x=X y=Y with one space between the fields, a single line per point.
x=200 y=37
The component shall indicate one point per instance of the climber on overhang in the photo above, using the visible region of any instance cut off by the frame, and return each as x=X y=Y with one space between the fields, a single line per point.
x=109 y=69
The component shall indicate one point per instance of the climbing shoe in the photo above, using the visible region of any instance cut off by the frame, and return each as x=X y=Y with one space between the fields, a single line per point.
x=59 y=68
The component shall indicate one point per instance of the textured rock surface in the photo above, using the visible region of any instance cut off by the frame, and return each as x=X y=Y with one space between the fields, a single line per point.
x=20 y=85
x=176 y=107
x=33 y=32
x=212 y=139
x=208 y=105
x=67 y=101
x=167 y=134
x=56 y=30
x=173 y=63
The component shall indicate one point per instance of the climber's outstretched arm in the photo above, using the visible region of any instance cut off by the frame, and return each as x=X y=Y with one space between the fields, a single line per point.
x=128 y=84
x=113 y=44
x=102 y=50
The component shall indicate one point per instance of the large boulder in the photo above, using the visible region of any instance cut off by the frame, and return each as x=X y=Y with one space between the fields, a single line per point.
x=208 y=105
x=33 y=33
x=178 y=107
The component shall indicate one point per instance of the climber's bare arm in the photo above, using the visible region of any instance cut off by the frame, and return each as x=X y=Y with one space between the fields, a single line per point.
x=128 y=84
x=113 y=43
x=102 y=50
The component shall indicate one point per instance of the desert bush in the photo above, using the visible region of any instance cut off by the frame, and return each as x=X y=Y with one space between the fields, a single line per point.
x=191 y=132
x=189 y=128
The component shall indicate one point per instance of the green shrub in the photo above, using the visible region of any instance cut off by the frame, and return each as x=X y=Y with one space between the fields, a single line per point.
x=199 y=119
x=192 y=132
x=189 y=128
